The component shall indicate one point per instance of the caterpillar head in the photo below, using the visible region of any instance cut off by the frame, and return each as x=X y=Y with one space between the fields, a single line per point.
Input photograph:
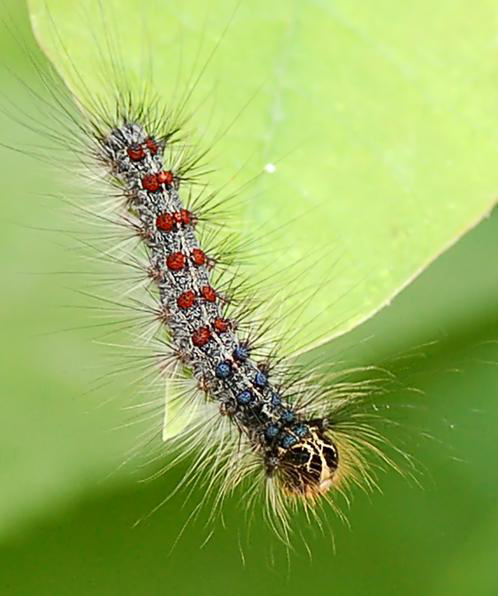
x=306 y=466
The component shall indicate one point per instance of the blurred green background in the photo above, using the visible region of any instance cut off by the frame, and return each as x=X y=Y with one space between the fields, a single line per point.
x=68 y=506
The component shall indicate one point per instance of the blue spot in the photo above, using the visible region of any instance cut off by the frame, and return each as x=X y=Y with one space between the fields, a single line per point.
x=271 y=431
x=288 y=416
x=260 y=380
x=241 y=353
x=276 y=400
x=288 y=441
x=245 y=397
x=301 y=430
x=223 y=370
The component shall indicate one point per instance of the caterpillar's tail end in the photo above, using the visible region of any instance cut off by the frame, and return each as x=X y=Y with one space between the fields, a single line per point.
x=308 y=468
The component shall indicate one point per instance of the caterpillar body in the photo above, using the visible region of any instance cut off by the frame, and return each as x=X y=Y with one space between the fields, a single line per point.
x=293 y=449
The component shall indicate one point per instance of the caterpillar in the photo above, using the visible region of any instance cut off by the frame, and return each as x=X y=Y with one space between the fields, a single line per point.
x=258 y=420
x=273 y=417
x=294 y=449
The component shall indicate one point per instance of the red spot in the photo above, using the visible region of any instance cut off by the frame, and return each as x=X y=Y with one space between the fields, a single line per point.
x=201 y=336
x=150 y=182
x=175 y=261
x=186 y=300
x=182 y=217
x=135 y=152
x=198 y=256
x=151 y=146
x=186 y=217
x=208 y=293
x=165 y=178
x=221 y=325
x=165 y=222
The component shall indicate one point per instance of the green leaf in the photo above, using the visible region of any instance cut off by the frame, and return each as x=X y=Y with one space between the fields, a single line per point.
x=380 y=119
